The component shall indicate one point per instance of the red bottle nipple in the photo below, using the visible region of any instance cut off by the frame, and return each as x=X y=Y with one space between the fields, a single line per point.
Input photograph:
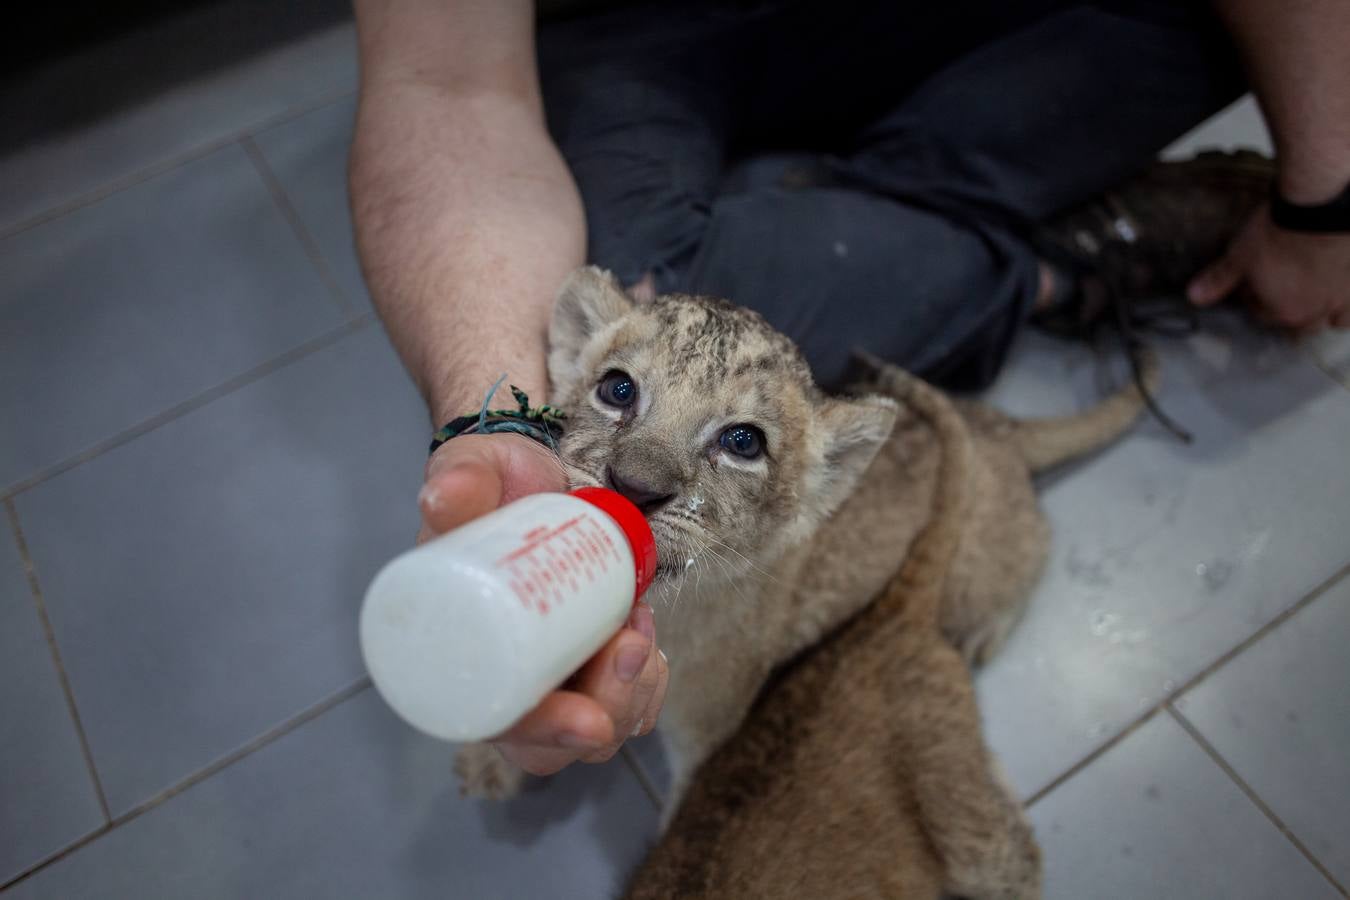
x=634 y=526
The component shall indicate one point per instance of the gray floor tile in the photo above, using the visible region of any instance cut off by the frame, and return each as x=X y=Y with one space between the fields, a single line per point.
x=48 y=796
x=309 y=157
x=1331 y=349
x=118 y=125
x=1279 y=714
x=355 y=804
x=1166 y=555
x=118 y=310
x=203 y=579
x=1156 y=817
x=649 y=753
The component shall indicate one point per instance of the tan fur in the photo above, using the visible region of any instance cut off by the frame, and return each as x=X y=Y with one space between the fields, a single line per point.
x=760 y=560
x=887 y=794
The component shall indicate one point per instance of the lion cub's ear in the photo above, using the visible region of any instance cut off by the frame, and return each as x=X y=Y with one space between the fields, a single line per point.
x=851 y=433
x=589 y=300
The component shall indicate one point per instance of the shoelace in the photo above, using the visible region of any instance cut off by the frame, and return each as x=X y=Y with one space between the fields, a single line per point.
x=1133 y=318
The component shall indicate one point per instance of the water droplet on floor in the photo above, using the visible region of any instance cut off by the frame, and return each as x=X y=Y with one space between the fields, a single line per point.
x=1102 y=622
x=1215 y=573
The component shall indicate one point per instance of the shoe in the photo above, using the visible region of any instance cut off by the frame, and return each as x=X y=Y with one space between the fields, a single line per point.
x=1144 y=240
x=1128 y=255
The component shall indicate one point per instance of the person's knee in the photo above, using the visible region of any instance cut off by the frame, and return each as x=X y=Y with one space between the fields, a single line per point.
x=639 y=223
x=837 y=269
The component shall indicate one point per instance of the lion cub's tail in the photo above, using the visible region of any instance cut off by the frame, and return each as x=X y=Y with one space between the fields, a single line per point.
x=1045 y=443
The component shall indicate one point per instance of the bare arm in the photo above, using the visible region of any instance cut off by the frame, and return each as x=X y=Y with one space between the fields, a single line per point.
x=1295 y=51
x=467 y=219
x=1298 y=56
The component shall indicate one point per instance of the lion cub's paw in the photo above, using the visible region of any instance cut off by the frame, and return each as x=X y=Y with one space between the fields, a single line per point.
x=484 y=772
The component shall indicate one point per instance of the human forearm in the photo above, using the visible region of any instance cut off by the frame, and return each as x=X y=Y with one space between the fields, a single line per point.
x=467 y=220
x=1296 y=54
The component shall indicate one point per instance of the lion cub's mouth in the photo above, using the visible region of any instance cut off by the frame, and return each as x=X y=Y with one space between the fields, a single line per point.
x=673 y=555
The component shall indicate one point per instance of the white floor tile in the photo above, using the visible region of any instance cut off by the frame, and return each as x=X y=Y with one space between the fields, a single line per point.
x=204 y=579
x=170 y=119
x=1166 y=555
x=1156 y=817
x=356 y=804
x=1279 y=714
x=309 y=157
x=118 y=310
x=48 y=798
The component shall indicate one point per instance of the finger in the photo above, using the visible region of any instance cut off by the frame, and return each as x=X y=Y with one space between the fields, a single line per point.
x=474 y=474
x=559 y=731
x=622 y=677
x=463 y=481
x=1216 y=281
x=1301 y=321
x=1312 y=327
x=633 y=722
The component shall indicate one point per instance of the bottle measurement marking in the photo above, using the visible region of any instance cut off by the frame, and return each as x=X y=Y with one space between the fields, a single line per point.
x=575 y=552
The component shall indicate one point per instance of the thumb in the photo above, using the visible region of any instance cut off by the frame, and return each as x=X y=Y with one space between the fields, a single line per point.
x=1216 y=281
x=463 y=481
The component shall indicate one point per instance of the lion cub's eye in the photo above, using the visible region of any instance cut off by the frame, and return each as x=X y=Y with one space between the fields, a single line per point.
x=743 y=440
x=617 y=389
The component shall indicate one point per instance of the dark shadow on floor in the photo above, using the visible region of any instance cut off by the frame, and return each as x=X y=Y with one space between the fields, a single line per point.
x=68 y=67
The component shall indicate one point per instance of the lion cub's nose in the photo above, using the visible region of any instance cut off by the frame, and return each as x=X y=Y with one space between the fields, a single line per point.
x=644 y=496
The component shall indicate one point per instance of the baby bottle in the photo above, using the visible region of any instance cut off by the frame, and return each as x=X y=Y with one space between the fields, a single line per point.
x=467 y=633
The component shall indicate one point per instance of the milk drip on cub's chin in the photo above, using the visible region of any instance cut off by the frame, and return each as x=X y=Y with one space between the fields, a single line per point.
x=465 y=634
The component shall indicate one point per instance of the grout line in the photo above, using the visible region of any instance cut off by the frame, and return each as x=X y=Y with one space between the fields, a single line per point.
x=131 y=179
x=643 y=778
x=1200 y=676
x=1092 y=757
x=50 y=633
x=1319 y=361
x=1260 y=804
x=1261 y=632
x=314 y=344
x=283 y=202
x=262 y=740
x=1333 y=374
x=201 y=775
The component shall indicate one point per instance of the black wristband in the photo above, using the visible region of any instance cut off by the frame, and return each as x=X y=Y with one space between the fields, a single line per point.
x=540 y=423
x=1332 y=217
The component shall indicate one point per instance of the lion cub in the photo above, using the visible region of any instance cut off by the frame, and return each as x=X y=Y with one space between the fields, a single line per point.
x=778 y=511
x=886 y=792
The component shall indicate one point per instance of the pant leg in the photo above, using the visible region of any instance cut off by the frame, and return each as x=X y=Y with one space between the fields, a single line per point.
x=1046 y=117
x=919 y=251
x=647 y=101
x=837 y=269
x=639 y=101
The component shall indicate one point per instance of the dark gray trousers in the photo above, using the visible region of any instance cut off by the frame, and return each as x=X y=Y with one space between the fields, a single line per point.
x=862 y=172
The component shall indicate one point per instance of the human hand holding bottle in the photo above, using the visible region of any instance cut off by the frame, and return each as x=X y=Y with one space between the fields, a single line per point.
x=618 y=693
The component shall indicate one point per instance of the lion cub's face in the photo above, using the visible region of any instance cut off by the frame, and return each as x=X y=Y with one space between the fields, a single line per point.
x=707 y=419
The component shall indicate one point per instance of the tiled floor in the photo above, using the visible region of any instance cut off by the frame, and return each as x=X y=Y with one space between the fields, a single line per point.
x=207 y=446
